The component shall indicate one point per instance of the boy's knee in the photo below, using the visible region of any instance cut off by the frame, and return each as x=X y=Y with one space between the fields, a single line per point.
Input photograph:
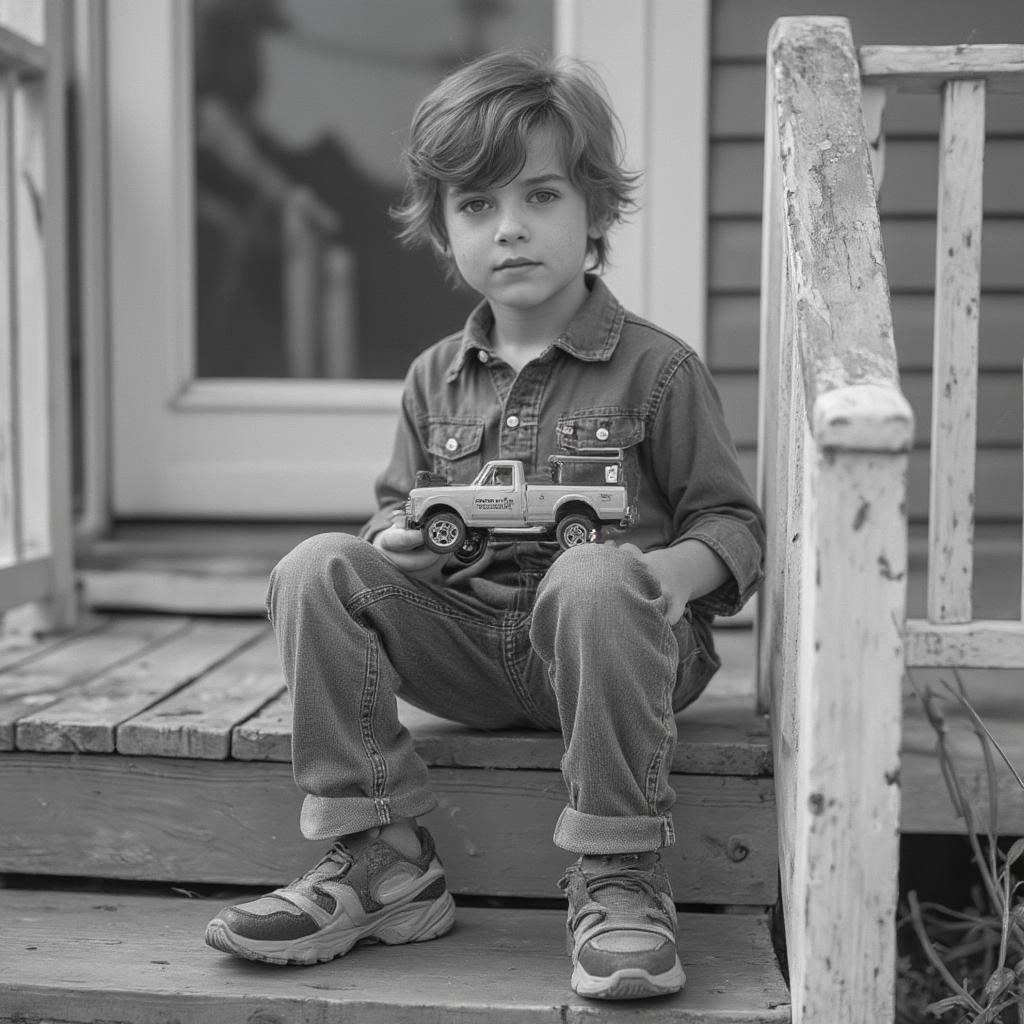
x=595 y=574
x=314 y=562
x=593 y=586
x=313 y=554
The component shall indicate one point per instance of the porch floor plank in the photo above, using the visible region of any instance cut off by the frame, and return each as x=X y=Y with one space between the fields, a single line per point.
x=197 y=720
x=20 y=646
x=142 y=959
x=87 y=717
x=41 y=680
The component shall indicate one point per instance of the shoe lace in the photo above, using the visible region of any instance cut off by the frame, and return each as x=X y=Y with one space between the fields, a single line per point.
x=623 y=891
x=336 y=861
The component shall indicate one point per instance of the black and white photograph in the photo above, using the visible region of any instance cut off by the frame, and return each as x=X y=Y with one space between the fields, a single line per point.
x=511 y=511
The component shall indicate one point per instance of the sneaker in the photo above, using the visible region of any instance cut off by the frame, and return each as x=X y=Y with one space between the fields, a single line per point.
x=622 y=928
x=377 y=895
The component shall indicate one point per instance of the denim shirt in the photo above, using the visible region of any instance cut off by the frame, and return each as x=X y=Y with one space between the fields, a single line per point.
x=611 y=380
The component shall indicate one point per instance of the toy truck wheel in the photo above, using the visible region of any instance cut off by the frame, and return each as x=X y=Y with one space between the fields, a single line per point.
x=444 y=532
x=473 y=547
x=575 y=529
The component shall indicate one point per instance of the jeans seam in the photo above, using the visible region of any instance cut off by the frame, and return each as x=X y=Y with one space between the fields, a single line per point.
x=662 y=751
x=378 y=764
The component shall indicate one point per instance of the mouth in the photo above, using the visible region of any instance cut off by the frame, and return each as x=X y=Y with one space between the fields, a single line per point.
x=515 y=264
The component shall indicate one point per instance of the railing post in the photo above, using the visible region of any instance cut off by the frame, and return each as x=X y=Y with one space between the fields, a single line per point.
x=850 y=700
x=837 y=432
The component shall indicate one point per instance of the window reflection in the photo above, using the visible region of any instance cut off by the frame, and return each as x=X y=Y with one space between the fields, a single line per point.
x=301 y=111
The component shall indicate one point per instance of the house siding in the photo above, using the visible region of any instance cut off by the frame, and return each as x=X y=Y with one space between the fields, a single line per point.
x=739 y=31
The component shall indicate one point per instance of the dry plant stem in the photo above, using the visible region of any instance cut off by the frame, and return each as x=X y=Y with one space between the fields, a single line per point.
x=984 y=738
x=987 y=741
x=976 y=719
x=1004 y=936
x=961 y=805
x=918 y=923
x=963 y=936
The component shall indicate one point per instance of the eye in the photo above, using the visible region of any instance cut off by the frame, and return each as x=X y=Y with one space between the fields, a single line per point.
x=475 y=205
x=543 y=196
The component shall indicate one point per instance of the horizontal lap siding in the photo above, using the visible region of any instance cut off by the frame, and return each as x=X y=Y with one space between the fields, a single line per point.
x=908 y=201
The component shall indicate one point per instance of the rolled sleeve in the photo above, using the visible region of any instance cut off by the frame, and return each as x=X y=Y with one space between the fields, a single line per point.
x=737 y=546
x=698 y=471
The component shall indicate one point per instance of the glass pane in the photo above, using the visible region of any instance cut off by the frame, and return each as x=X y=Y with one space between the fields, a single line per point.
x=302 y=108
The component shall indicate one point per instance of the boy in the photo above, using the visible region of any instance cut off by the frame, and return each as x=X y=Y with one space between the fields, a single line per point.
x=515 y=179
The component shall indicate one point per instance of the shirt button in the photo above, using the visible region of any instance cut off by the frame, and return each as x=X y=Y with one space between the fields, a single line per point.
x=483 y=356
x=602 y=433
x=451 y=444
x=512 y=421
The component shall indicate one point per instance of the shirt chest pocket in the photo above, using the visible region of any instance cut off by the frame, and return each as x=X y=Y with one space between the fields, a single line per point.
x=599 y=428
x=455 y=447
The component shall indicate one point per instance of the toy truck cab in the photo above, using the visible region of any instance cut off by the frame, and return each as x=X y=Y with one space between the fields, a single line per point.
x=586 y=491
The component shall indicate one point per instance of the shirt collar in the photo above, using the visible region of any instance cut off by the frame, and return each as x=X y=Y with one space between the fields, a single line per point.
x=592 y=334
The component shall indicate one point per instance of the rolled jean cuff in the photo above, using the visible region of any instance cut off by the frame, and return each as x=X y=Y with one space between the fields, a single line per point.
x=327 y=817
x=595 y=834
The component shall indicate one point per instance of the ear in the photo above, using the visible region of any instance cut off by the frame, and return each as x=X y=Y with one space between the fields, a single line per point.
x=599 y=226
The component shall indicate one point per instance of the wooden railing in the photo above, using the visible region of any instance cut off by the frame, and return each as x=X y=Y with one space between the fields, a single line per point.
x=950 y=637
x=35 y=493
x=835 y=432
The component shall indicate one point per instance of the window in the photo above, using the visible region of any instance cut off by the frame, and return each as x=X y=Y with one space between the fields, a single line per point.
x=301 y=110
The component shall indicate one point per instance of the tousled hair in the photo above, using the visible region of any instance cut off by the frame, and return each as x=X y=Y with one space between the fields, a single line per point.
x=472 y=130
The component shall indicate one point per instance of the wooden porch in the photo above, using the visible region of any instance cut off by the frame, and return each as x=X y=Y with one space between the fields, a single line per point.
x=151 y=751
x=144 y=773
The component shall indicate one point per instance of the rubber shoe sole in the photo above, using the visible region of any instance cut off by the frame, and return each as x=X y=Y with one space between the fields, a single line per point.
x=628 y=983
x=418 y=922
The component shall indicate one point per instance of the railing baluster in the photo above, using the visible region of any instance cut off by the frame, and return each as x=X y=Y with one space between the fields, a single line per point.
x=36 y=563
x=11 y=544
x=955 y=373
x=875 y=98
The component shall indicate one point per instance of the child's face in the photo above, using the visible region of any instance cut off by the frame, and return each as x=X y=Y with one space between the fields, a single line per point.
x=523 y=244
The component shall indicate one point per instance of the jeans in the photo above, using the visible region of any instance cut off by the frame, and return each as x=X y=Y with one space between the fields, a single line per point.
x=584 y=648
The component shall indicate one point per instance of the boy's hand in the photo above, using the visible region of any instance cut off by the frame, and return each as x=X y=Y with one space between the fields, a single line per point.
x=405 y=549
x=685 y=571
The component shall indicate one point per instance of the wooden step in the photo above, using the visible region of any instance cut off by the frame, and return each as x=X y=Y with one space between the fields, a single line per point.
x=162 y=745
x=187 y=568
x=79 y=957
x=187 y=820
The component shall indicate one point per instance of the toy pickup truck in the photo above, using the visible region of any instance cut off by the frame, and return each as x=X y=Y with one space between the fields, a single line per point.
x=586 y=491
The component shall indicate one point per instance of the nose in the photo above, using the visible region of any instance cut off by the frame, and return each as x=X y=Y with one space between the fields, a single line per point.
x=511 y=227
